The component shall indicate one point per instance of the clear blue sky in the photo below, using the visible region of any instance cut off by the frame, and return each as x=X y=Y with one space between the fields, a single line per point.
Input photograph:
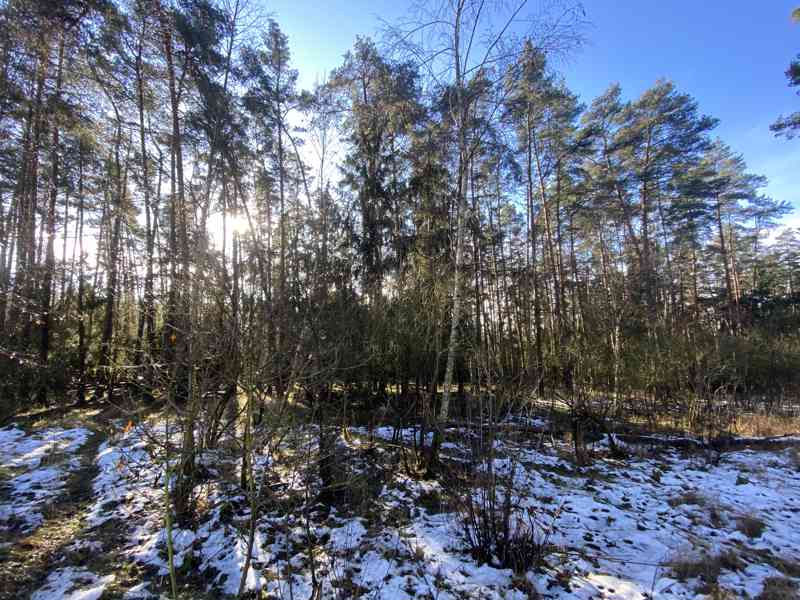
x=730 y=55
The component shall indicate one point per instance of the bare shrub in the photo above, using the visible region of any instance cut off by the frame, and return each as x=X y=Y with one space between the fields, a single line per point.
x=498 y=530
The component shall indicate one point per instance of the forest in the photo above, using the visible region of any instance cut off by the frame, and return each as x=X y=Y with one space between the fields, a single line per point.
x=250 y=332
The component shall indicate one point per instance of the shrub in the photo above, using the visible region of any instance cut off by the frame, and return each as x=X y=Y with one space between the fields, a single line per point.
x=497 y=529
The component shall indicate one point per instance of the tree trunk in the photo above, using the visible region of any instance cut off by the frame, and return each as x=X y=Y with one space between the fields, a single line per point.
x=50 y=261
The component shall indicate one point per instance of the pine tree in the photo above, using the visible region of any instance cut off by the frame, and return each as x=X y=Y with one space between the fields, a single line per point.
x=788 y=126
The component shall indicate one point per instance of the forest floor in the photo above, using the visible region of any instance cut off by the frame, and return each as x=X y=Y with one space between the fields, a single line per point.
x=82 y=498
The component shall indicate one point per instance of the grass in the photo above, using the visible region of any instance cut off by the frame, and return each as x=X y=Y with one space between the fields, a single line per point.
x=718 y=593
x=795 y=457
x=6 y=473
x=786 y=566
x=757 y=425
x=706 y=568
x=779 y=588
x=715 y=516
x=743 y=424
x=751 y=526
x=688 y=497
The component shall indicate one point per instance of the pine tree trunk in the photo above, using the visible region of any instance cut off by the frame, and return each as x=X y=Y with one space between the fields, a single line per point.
x=81 y=311
x=50 y=261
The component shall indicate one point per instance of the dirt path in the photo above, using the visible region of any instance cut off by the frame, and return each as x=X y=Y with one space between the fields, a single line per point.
x=29 y=560
x=26 y=564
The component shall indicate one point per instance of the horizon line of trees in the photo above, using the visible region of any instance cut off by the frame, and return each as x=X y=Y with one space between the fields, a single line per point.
x=441 y=214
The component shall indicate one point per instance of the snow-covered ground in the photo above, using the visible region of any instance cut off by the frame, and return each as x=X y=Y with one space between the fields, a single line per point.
x=72 y=584
x=34 y=469
x=666 y=525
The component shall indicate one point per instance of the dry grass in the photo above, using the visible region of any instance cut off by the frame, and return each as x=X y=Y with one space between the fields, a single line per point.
x=758 y=425
x=706 y=568
x=688 y=497
x=744 y=424
x=718 y=593
x=790 y=567
x=751 y=526
x=779 y=588
x=715 y=516
x=794 y=453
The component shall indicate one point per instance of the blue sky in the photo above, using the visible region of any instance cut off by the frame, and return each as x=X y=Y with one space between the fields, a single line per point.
x=730 y=55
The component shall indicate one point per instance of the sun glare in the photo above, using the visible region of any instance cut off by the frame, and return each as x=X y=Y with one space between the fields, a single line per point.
x=222 y=230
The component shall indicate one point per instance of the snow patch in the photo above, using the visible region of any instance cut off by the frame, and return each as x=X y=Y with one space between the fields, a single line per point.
x=73 y=584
